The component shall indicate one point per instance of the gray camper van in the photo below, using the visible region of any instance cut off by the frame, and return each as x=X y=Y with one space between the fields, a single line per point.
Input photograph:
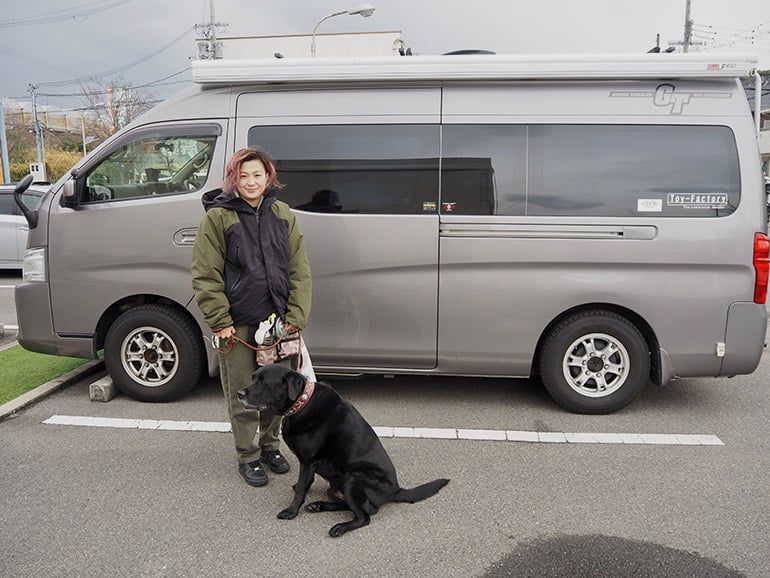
x=597 y=221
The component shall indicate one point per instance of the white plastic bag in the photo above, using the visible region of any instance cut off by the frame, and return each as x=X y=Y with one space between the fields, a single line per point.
x=306 y=365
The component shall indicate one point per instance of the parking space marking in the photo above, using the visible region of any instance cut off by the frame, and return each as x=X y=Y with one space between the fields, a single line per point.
x=415 y=432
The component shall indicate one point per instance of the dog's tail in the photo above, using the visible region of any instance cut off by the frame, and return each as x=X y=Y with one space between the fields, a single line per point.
x=420 y=492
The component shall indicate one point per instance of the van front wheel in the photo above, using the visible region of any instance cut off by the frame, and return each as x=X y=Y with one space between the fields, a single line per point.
x=594 y=362
x=152 y=353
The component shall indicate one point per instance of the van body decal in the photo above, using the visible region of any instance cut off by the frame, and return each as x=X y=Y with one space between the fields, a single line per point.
x=667 y=96
x=697 y=200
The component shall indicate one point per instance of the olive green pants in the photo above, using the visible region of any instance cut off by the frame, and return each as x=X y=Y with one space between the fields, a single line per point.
x=235 y=369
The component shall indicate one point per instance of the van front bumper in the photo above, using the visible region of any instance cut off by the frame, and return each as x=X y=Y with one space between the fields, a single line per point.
x=33 y=311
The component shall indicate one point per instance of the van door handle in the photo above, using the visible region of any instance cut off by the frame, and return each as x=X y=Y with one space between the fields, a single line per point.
x=185 y=237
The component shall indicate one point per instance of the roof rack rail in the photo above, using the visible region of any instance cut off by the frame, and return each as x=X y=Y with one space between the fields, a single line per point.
x=474 y=67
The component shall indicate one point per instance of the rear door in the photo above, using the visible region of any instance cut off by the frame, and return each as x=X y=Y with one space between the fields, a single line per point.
x=360 y=169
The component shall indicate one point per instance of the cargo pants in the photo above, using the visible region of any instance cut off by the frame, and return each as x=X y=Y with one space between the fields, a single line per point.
x=235 y=369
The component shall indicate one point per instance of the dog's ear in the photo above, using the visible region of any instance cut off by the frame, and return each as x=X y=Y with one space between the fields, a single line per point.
x=295 y=383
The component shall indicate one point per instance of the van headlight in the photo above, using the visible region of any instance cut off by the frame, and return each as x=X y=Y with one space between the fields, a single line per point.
x=34 y=265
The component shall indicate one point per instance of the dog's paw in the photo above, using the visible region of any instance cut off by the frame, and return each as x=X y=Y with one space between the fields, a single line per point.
x=338 y=530
x=287 y=514
x=314 y=507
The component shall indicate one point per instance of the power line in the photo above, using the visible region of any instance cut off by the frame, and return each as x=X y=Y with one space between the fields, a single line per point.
x=81 y=11
x=158 y=82
x=119 y=69
x=32 y=60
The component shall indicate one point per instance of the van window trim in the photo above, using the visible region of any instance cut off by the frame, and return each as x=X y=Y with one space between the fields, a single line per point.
x=174 y=130
x=205 y=128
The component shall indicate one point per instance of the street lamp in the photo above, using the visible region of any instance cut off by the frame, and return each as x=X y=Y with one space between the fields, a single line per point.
x=364 y=10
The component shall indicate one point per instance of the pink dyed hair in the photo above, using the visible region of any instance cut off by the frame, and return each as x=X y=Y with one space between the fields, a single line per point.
x=249 y=154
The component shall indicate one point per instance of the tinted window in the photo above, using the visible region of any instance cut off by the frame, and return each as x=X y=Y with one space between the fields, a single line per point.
x=374 y=169
x=632 y=170
x=589 y=170
x=7 y=205
x=482 y=170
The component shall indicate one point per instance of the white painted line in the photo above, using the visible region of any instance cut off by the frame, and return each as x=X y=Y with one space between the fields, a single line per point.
x=551 y=437
x=581 y=438
x=383 y=432
x=522 y=436
x=481 y=434
x=414 y=432
x=436 y=433
x=7 y=286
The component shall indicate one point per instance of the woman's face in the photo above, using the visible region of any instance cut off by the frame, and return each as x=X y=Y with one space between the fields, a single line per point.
x=252 y=180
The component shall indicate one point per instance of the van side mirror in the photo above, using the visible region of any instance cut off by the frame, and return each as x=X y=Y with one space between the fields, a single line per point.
x=69 y=197
x=18 y=191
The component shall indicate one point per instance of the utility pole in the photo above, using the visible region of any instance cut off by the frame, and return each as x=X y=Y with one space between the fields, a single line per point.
x=39 y=145
x=4 y=145
x=687 y=29
x=83 y=131
x=208 y=47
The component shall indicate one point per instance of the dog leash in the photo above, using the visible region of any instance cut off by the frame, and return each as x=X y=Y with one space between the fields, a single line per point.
x=233 y=340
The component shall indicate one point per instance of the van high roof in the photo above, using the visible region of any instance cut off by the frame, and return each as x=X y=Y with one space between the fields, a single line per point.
x=475 y=67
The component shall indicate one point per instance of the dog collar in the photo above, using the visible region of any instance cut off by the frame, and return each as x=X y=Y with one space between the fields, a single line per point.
x=303 y=398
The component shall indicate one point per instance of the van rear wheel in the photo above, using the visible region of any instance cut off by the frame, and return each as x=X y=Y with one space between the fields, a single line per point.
x=594 y=362
x=153 y=353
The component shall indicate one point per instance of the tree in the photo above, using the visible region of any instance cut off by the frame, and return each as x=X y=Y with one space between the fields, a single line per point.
x=113 y=105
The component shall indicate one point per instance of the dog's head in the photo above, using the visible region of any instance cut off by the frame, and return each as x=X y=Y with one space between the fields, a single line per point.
x=272 y=387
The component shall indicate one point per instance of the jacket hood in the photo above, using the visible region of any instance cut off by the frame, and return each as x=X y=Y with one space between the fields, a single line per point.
x=224 y=199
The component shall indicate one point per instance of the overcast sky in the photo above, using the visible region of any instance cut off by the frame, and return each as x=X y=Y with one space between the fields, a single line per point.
x=133 y=30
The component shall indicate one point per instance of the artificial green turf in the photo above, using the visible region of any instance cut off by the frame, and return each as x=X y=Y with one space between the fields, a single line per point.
x=22 y=370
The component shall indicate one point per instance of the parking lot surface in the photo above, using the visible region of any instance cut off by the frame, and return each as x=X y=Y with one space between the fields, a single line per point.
x=82 y=500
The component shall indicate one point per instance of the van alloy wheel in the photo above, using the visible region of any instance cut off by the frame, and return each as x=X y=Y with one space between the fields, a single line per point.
x=154 y=352
x=594 y=361
x=150 y=356
x=596 y=365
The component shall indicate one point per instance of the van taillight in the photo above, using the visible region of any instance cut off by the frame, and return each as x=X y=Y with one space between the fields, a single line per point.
x=762 y=266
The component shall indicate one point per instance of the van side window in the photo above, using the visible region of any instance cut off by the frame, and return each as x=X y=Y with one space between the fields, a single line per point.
x=625 y=171
x=152 y=165
x=483 y=169
x=589 y=170
x=366 y=169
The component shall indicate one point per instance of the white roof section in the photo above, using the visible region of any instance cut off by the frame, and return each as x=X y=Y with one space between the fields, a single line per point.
x=475 y=67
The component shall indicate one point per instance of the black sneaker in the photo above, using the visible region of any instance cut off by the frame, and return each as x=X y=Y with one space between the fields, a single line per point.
x=253 y=473
x=275 y=461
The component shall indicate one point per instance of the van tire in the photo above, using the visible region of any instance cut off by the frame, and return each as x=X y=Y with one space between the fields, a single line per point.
x=572 y=369
x=154 y=353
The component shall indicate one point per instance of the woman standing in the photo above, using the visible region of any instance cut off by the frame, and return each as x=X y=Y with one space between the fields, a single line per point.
x=249 y=261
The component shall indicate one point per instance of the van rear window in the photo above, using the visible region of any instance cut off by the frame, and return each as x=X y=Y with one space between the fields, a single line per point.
x=591 y=170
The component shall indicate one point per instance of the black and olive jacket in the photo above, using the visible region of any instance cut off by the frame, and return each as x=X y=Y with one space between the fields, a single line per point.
x=248 y=263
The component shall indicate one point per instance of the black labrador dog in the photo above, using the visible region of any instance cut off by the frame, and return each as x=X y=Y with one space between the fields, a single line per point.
x=331 y=439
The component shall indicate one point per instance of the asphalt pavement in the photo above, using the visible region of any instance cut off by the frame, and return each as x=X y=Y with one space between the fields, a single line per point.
x=131 y=502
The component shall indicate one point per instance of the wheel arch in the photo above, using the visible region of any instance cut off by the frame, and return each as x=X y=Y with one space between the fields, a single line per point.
x=126 y=303
x=637 y=320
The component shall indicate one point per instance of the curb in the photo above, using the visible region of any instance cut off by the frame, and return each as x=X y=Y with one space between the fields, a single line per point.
x=41 y=391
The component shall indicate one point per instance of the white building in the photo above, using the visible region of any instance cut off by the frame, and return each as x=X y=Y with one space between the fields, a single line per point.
x=387 y=43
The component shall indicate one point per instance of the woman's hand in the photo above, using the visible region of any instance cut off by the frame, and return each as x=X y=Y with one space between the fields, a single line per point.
x=225 y=333
x=290 y=327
